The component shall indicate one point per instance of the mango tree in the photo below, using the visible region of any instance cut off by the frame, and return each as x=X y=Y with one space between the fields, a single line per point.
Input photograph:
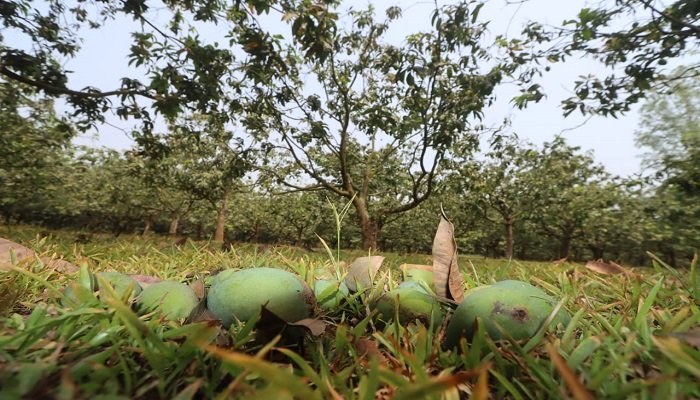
x=373 y=122
x=173 y=68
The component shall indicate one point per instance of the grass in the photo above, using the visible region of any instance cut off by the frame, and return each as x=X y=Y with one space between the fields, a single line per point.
x=629 y=337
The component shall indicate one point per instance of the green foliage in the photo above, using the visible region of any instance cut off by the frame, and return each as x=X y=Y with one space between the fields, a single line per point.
x=635 y=39
x=34 y=149
x=670 y=132
x=184 y=70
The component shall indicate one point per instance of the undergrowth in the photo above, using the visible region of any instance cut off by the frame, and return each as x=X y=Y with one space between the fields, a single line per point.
x=630 y=337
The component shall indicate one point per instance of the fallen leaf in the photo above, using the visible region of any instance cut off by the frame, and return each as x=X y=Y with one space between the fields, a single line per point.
x=20 y=252
x=60 y=265
x=368 y=348
x=315 y=326
x=145 y=280
x=269 y=325
x=608 y=268
x=448 y=279
x=8 y=248
x=690 y=337
x=560 y=261
x=198 y=287
x=200 y=313
x=362 y=272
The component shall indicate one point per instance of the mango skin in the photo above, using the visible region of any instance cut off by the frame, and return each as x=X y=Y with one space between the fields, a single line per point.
x=174 y=299
x=216 y=279
x=120 y=282
x=333 y=299
x=420 y=275
x=414 y=303
x=518 y=307
x=241 y=296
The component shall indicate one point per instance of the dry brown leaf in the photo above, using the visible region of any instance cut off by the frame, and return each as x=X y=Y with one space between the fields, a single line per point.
x=21 y=252
x=7 y=247
x=370 y=348
x=362 y=271
x=200 y=313
x=560 y=261
x=690 y=337
x=145 y=280
x=60 y=265
x=608 y=268
x=315 y=326
x=448 y=279
x=269 y=325
x=198 y=287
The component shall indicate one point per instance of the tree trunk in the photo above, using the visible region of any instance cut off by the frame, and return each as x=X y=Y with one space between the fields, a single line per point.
x=567 y=236
x=174 y=222
x=565 y=247
x=509 y=237
x=256 y=229
x=149 y=224
x=221 y=217
x=598 y=251
x=370 y=232
x=300 y=236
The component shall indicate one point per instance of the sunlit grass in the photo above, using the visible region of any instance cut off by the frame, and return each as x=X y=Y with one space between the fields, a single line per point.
x=629 y=337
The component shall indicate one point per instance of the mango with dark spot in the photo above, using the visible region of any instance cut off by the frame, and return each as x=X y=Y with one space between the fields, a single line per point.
x=517 y=307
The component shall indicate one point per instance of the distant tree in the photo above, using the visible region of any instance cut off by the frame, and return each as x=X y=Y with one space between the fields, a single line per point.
x=163 y=177
x=199 y=158
x=500 y=189
x=103 y=194
x=35 y=145
x=568 y=190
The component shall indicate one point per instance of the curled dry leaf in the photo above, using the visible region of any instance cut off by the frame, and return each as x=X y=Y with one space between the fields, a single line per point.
x=362 y=272
x=270 y=325
x=448 y=279
x=60 y=265
x=608 y=268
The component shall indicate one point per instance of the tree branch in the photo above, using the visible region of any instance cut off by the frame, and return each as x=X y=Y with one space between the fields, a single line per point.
x=51 y=89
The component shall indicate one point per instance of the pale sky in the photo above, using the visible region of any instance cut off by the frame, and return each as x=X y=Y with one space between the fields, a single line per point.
x=103 y=61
